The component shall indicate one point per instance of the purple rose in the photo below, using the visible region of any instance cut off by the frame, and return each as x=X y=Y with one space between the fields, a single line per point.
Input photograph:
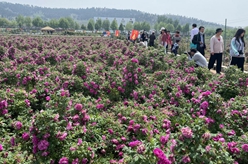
x=134 y=143
x=164 y=139
x=187 y=132
x=48 y=98
x=63 y=160
x=204 y=105
x=25 y=136
x=43 y=145
x=186 y=159
x=245 y=147
x=79 y=107
x=18 y=125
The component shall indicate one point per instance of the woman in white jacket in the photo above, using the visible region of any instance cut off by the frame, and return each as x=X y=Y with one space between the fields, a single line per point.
x=237 y=50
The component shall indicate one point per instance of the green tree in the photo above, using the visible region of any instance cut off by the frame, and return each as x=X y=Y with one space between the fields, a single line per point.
x=45 y=23
x=114 y=25
x=37 y=22
x=63 y=23
x=83 y=27
x=170 y=27
x=4 y=22
x=77 y=26
x=13 y=24
x=98 y=24
x=106 y=25
x=71 y=22
x=175 y=23
x=179 y=28
x=169 y=21
x=145 y=26
x=28 y=22
x=129 y=26
x=121 y=27
x=162 y=19
x=54 y=23
x=185 y=28
x=90 y=25
x=160 y=25
x=20 y=20
x=137 y=26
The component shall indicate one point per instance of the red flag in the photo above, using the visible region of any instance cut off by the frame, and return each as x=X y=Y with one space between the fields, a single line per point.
x=117 y=33
x=134 y=35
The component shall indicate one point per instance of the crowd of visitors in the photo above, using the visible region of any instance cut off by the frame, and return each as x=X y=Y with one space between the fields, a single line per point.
x=198 y=46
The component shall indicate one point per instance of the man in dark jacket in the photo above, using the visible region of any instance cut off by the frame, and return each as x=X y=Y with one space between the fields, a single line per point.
x=199 y=40
x=152 y=39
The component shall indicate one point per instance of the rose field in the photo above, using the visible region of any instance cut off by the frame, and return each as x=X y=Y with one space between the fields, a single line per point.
x=86 y=100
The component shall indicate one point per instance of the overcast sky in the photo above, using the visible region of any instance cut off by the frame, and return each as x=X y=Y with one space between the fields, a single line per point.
x=236 y=11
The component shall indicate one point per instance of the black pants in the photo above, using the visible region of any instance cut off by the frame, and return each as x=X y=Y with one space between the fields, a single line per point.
x=238 y=62
x=201 y=50
x=212 y=60
x=151 y=44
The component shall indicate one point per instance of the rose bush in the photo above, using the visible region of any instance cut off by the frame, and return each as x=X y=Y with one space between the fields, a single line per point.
x=95 y=100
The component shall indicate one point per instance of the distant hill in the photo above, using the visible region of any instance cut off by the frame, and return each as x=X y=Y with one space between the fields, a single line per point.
x=10 y=11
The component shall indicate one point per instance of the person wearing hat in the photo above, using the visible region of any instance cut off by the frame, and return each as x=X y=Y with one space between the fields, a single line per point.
x=199 y=59
x=237 y=51
x=217 y=49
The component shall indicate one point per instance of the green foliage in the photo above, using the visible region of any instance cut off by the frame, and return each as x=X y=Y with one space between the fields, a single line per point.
x=170 y=27
x=54 y=23
x=37 y=22
x=64 y=23
x=129 y=26
x=83 y=27
x=90 y=25
x=114 y=25
x=106 y=25
x=121 y=27
x=98 y=24
x=4 y=22
x=137 y=26
x=28 y=22
x=20 y=20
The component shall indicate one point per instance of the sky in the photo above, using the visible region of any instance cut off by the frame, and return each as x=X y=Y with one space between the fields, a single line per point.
x=235 y=11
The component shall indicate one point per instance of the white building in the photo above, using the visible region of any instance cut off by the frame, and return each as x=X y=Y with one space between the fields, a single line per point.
x=124 y=21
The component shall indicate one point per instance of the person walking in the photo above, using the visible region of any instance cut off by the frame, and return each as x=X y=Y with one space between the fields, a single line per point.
x=217 y=48
x=237 y=50
x=164 y=39
x=198 y=58
x=199 y=41
x=175 y=37
x=193 y=32
x=168 y=40
x=152 y=39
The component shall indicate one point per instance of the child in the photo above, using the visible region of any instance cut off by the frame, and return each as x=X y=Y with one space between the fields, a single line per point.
x=175 y=47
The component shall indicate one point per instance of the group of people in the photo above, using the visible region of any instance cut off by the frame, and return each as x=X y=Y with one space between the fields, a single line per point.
x=165 y=39
x=198 y=46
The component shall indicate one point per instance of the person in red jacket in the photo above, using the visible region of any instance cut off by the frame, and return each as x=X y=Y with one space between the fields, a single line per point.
x=164 y=39
x=169 y=41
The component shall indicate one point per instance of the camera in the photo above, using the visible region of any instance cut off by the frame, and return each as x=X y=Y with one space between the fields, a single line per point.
x=240 y=52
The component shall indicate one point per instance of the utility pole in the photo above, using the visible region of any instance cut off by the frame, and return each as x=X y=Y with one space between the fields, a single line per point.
x=225 y=41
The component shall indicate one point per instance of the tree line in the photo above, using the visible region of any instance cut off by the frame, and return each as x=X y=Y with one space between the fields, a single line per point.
x=27 y=22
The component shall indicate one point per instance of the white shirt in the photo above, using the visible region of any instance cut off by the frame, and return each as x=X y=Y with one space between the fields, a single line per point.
x=194 y=31
x=199 y=59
